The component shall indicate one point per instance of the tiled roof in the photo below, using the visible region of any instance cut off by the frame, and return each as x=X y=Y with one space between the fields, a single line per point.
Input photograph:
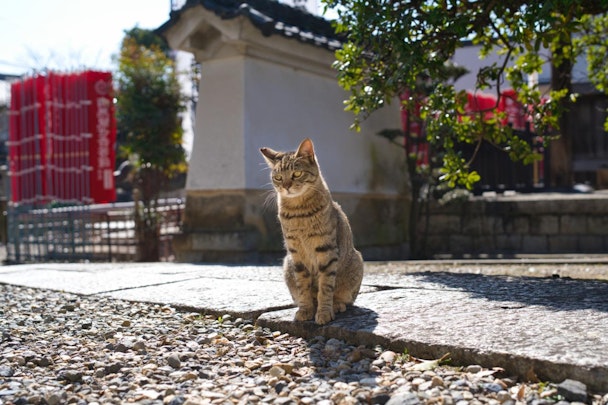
x=270 y=17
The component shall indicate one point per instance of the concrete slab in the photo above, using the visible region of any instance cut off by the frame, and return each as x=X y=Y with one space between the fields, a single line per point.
x=580 y=267
x=557 y=329
x=215 y=296
x=218 y=290
x=91 y=278
x=95 y=278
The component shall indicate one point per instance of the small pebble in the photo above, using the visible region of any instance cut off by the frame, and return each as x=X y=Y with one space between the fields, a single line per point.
x=503 y=396
x=473 y=369
x=139 y=346
x=6 y=371
x=173 y=361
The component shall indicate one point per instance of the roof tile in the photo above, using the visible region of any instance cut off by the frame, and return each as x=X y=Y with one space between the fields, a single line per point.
x=270 y=17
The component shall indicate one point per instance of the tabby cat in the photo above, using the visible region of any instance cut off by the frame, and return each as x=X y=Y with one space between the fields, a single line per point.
x=323 y=270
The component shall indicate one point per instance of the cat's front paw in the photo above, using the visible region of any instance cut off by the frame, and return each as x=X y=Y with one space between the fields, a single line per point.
x=339 y=306
x=305 y=314
x=324 y=317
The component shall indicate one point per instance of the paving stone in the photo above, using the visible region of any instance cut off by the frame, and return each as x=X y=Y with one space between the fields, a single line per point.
x=215 y=296
x=106 y=277
x=556 y=327
x=92 y=279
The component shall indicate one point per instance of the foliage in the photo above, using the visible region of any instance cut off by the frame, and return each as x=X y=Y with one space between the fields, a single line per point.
x=148 y=117
x=394 y=46
x=149 y=103
x=594 y=40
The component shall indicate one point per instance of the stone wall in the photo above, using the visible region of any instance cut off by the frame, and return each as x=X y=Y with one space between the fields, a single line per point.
x=242 y=226
x=521 y=224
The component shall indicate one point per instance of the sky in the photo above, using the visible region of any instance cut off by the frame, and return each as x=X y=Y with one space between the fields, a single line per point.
x=70 y=34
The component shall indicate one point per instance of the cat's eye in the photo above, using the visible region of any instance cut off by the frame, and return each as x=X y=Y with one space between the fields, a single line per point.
x=277 y=177
x=297 y=174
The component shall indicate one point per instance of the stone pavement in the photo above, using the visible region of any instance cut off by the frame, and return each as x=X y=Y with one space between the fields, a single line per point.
x=536 y=318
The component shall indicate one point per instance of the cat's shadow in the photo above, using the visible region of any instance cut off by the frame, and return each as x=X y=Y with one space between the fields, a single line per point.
x=356 y=318
x=343 y=350
x=355 y=325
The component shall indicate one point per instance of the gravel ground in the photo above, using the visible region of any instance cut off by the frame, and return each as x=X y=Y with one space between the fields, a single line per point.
x=61 y=348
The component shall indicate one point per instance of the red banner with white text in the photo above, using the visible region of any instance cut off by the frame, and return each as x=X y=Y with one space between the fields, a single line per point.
x=62 y=136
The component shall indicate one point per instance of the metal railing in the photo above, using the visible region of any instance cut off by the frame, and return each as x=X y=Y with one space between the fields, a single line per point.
x=101 y=233
x=499 y=173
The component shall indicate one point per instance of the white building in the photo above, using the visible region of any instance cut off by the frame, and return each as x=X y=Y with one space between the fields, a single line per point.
x=267 y=81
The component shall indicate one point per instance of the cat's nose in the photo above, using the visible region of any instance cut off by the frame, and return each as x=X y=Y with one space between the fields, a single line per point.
x=287 y=184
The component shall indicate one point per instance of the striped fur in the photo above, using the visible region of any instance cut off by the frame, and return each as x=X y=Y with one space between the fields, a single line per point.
x=323 y=270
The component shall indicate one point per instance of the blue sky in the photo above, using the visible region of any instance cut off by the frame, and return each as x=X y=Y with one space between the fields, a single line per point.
x=70 y=34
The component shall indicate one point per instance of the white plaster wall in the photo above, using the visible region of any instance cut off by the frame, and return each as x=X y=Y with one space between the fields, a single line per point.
x=183 y=64
x=468 y=57
x=218 y=156
x=285 y=105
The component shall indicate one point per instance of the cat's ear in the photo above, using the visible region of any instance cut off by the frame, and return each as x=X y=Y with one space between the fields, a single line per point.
x=270 y=156
x=306 y=149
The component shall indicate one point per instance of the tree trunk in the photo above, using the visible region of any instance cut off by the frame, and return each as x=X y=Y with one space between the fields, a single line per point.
x=417 y=240
x=147 y=218
x=147 y=233
x=560 y=150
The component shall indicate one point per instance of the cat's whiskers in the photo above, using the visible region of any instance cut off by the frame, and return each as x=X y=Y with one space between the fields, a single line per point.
x=270 y=198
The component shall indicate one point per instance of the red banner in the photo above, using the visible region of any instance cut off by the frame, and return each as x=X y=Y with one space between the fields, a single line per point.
x=415 y=143
x=26 y=140
x=102 y=144
x=62 y=136
x=516 y=115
